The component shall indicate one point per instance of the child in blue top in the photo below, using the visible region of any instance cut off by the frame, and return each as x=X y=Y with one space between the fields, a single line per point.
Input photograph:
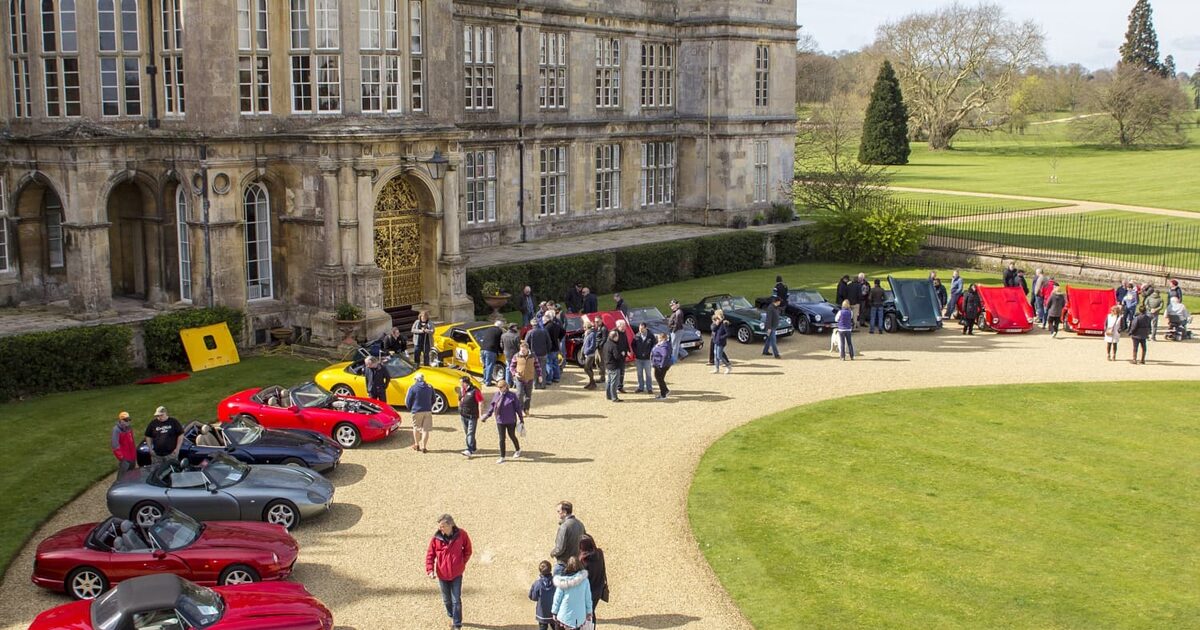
x=542 y=592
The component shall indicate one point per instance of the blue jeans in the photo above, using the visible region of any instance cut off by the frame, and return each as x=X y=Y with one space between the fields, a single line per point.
x=553 y=368
x=952 y=306
x=612 y=381
x=719 y=356
x=508 y=375
x=452 y=598
x=469 y=430
x=489 y=364
x=677 y=353
x=644 y=375
x=769 y=345
x=877 y=318
x=1039 y=307
x=847 y=342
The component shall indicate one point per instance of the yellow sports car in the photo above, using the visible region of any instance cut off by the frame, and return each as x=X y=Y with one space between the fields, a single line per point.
x=457 y=345
x=346 y=379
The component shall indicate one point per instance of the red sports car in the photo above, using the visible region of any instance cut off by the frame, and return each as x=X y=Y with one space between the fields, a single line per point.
x=347 y=419
x=86 y=559
x=1005 y=310
x=573 y=326
x=1087 y=310
x=169 y=602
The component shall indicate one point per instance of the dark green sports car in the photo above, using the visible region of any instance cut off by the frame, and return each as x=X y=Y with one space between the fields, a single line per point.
x=745 y=321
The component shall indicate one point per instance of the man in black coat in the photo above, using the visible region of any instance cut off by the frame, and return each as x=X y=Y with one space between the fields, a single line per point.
x=574 y=299
x=614 y=365
x=377 y=379
x=781 y=290
x=554 y=365
x=489 y=348
x=1010 y=276
x=590 y=305
x=843 y=291
x=393 y=342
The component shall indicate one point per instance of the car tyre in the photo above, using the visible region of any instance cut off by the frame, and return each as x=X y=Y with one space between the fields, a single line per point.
x=146 y=513
x=294 y=461
x=981 y=322
x=347 y=435
x=689 y=321
x=802 y=326
x=440 y=404
x=342 y=389
x=579 y=356
x=85 y=583
x=238 y=574
x=889 y=323
x=744 y=335
x=281 y=512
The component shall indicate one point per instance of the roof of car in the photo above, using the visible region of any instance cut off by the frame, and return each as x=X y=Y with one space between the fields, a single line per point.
x=150 y=592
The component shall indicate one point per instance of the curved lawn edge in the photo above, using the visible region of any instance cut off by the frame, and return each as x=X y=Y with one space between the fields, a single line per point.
x=870 y=539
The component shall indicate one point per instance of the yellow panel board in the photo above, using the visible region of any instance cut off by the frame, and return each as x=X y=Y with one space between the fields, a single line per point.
x=209 y=347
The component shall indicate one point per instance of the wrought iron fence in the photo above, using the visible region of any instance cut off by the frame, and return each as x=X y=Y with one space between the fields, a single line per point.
x=1158 y=245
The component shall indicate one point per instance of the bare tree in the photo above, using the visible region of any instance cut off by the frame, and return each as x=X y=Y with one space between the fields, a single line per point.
x=829 y=176
x=955 y=62
x=1138 y=107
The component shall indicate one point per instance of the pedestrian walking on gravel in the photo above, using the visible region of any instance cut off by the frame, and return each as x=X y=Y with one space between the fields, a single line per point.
x=1048 y=288
x=587 y=353
x=542 y=591
x=675 y=327
x=660 y=358
x=446 y=561
x=566 y=541
x=720 y=336
x=771 y=323
x=509 y=419
x=875 y=298
x=845 y=328
x=614 y=366
x=1139 y=331
x=956 y=291
x=643 y=345
x=623 y=340
x=1054 y=309
x=419 y=401
x=122 y=444
x=970 y=309
x=1129 y=302
x=525 y=368
x=470 y=400
x=422 y=331
x=592 y=558
x=554 y=359
x=573 y=597
x=377 y=379
x=1112 y=332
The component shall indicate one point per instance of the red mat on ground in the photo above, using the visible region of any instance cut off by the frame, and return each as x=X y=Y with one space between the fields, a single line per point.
x=163 y=378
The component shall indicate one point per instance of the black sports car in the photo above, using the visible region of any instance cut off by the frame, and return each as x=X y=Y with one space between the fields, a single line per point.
x=808 y=309
x=247 y=441
x=653 y=318
x=911 y=305
x=745 y=321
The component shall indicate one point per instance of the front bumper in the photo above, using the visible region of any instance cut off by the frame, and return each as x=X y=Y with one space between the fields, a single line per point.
x=372 y=434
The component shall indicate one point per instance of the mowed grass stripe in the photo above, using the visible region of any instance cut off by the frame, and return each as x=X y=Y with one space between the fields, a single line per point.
x=1024 y=506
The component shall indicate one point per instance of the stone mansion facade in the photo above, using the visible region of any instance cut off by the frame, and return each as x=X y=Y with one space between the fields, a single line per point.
x=283 y=156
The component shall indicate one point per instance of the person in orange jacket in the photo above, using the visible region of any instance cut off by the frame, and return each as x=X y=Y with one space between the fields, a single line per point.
x=122 y=444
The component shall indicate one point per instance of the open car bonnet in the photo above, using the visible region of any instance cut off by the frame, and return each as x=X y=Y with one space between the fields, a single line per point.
x=1088 y=308
x=916 y=303
x=1006 y=308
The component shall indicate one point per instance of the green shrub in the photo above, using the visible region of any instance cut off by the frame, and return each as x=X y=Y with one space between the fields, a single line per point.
x=781 y=213
x=348 y=312
x=793 y=245
x=64 y=360
x=549 y=278
x=164 y=350
x=727 y=253
x=657 y=263
x=877 y=234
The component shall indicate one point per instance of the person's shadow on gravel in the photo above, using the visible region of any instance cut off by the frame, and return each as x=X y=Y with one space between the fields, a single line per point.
x=651 y=622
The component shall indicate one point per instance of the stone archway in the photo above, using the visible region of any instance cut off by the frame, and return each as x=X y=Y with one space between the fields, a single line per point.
x=400 y=249
x=40 y=243
x=133 y=242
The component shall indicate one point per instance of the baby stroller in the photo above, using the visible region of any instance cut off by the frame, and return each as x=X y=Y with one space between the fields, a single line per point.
x=1177 y=328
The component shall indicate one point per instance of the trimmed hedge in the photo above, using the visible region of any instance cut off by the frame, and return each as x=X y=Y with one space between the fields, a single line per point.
x=727 y=253
x=658 y=263
x=64 y=360
x=550 y=278
x=794 y=245
x=164 y=350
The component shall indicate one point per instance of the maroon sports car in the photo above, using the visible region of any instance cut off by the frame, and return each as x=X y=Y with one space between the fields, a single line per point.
x=347 y=419
x=85 y=560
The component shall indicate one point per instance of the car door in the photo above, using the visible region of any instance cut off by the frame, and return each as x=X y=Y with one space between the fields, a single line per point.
x=192 y=493
x=123 y=565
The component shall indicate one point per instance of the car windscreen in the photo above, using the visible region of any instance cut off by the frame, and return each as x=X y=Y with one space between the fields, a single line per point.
x=573 y=324
x=644 y=314
x=310 y=395
x=106 y=611
x=736 y=303
x=398 y=367
x=200 y=607
x=175 y=531
x=225 y=471
x=242 y=432
x=805 y=297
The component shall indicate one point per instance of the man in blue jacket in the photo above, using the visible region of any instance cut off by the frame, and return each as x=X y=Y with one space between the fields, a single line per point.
x=419 y=401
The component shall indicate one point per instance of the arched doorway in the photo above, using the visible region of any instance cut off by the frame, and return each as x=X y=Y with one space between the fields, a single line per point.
x=132 y=240
x=40 y=243
x=398 y=243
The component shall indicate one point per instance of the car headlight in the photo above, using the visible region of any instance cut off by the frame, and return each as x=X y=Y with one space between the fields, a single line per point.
x=313 y=497
x=995 y=320
x=274 y=558
x=816 y=318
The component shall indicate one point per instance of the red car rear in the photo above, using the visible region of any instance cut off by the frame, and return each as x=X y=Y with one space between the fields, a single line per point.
x=1005 y=310
x=1087 y=310
x=167 y=601
x=347 y=419
x=85 y=560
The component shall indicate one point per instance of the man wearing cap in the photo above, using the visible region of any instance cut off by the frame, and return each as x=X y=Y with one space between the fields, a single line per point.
x=675 y=325
x=377 y=379
x=164 y=435
x=419 y=401
x=122 y=444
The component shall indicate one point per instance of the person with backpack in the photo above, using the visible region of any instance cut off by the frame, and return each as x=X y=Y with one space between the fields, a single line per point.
x=662 y=359
x=446 y=560
x=470 y=399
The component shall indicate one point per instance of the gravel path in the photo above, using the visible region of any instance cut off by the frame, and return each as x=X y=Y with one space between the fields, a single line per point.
x=626 y=467
x=1063 y=205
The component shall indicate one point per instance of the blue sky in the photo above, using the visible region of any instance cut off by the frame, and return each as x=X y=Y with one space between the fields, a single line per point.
x=1082 y=31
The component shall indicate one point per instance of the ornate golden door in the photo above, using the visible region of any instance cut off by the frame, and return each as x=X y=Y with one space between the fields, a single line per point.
x=398 y=243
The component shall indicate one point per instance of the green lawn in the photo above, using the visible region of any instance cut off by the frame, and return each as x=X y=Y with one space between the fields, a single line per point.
x=1016 y=164
x=1031 y=506
x=938 y=205
x=1128 y=236
x=56 y=446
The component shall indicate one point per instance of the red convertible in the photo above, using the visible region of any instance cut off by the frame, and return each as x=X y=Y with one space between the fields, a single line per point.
x=1087 y=310
x=86 y=560
x=347 y=419
x=1005 y=310
x=169 y=602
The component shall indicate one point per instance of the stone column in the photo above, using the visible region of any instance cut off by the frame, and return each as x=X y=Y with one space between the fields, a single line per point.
x=452 y=265
x=331 y=277
x=85 y=252
x=367 y=278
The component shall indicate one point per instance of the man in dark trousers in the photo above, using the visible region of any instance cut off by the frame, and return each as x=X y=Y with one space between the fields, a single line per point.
x=781 y=290
x=554 y=364
x=489 y=348
x=614 y=365
x=510 y=342
x=164 y=435
x=377 y=380
x=771 y=323
x=875 y=299
x=566 y=542
x=539 y=344
x=528 y=305
x=843 y=291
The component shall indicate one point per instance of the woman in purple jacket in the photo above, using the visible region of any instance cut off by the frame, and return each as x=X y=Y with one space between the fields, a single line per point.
x=660 y=360
x=845 y=328
x=506 y=406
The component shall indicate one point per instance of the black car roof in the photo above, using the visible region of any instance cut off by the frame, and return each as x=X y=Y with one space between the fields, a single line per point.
x=150 y=592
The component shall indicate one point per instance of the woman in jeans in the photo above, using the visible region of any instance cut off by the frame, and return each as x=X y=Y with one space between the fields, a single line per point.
x=661 y=359
x=845 y=328
x=720 y=335
x=422 y=331
x=506 y=406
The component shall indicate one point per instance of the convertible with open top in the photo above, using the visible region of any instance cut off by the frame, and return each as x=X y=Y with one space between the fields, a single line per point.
x=808 y=310
x=244 y=439
x=348 y=419
x=744 y=320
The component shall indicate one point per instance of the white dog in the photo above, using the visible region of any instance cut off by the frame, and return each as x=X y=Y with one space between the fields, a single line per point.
x=835 y=342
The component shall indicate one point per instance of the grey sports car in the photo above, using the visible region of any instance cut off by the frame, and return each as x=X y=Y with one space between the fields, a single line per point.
x=224 y=489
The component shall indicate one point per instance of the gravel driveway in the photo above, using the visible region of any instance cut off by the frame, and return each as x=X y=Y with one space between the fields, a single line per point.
x=626 y=467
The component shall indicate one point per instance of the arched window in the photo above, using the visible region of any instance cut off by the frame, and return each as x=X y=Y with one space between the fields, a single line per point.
x=185 y=244
x=53 y=213
x=257 y=207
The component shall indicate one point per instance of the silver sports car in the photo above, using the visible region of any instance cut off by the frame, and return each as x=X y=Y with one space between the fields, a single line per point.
x=224 y=489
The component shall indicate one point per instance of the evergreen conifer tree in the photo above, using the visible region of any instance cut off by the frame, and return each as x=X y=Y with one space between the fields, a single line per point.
x=1169 y=69
x=1140 y=49
x=885 y=128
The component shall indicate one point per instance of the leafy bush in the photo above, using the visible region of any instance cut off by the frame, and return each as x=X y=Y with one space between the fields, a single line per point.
x=879 y=233
x=727 y=253
x=64 y=360
x=348 y=312
x=737 y=223
x=549 y=278
x=781 y=213
x=658 y=263
x=793 y=245
x=164 y=350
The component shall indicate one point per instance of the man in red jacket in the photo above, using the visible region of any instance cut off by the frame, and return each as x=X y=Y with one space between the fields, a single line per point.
x=446 y=559
x=122 y=444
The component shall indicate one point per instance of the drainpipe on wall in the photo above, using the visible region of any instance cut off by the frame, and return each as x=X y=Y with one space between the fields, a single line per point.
x=708 y=136
x=521 y=123
x=204 y=205
x=152 y=69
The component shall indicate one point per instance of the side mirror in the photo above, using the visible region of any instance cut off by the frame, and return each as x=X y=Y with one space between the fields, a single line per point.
x=159 y=554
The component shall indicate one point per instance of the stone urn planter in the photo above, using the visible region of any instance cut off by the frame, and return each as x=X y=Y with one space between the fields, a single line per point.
x=347 y=318
x=282 y=335
x=497 y=301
